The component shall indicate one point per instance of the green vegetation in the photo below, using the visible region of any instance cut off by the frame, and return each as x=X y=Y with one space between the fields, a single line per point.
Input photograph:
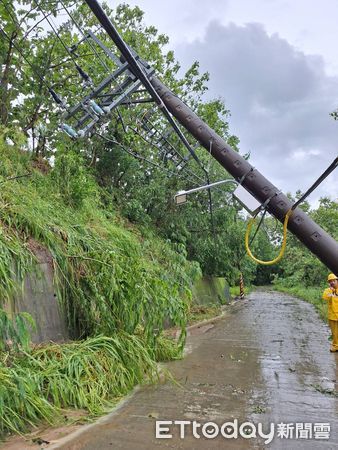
x=311 y=294
x=108 y=278
x=300 y=273
x=15 y=331
x=124 y=257
x=88 y=374
x=210 y=290
x=141 y=192
x=326 y=391
x=234 y=291
x=199 y=313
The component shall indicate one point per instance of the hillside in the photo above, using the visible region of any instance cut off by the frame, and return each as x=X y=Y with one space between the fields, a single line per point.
x=112 y=279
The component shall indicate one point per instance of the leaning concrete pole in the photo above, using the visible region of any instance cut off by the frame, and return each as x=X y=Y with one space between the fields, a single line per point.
x=308 y=232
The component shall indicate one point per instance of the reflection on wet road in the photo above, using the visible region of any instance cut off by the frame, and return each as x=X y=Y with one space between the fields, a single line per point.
x=267 y=361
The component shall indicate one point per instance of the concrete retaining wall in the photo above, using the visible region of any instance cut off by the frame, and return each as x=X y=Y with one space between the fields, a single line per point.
x=38 y=298
x=211 y=290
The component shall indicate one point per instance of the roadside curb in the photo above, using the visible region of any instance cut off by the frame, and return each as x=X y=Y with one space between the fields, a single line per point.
x=100 y=421
x=106 y=417
x=207 y=321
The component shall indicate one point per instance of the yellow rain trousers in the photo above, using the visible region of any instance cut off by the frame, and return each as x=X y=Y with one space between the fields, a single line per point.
x=331 y=296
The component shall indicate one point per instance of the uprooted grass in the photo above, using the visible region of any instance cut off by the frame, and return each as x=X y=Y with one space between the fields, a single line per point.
x=198 y=313
x=167 y=349
x=35 y=386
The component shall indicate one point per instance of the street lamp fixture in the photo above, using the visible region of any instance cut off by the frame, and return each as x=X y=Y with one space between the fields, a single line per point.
x=240 y=194
x=181 y=197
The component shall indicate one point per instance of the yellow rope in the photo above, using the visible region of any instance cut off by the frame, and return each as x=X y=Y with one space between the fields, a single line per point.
x=281 y=253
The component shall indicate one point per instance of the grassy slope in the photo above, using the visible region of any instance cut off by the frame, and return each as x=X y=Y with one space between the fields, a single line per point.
x=116 y=285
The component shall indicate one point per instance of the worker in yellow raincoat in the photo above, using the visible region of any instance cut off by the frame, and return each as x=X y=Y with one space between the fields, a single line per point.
x=331 y=296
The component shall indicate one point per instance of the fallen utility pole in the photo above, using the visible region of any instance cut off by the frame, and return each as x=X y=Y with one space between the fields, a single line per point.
x=318 y=241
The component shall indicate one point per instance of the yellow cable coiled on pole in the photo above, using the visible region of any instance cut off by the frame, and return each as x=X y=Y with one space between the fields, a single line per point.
x=281 y=253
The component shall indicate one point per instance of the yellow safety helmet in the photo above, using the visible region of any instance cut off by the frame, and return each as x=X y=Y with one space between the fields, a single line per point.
x=332 y=277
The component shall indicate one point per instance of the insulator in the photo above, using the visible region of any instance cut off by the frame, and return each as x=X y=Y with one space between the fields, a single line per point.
x=107 y=109
x=72 y=49
x=81 y=133
x=96 y=108
x=84 y=75
x=69 y=130
x=57 y=98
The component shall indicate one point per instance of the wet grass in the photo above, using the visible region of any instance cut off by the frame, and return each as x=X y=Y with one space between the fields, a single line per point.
x=108 y=276
x=234 y=291
x=110 y=281
x=325 y=391
x=91 y=375
x=198 y=313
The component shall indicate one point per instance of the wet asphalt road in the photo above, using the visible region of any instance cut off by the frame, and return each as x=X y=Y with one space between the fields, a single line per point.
x=267 y=361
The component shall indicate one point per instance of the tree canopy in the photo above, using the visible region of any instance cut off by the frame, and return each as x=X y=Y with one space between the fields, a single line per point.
x=122 y=161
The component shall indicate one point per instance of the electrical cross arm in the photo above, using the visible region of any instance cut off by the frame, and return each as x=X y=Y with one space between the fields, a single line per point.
x=318 y=241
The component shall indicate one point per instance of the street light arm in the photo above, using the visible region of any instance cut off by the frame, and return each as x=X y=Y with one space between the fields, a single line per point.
x=206 y=186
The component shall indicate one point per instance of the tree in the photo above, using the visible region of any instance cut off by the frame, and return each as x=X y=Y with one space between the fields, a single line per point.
x=128 y=163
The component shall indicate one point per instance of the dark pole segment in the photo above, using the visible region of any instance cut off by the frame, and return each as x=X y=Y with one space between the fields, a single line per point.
x=308 y=232
x=121 y=45
x=136 y=69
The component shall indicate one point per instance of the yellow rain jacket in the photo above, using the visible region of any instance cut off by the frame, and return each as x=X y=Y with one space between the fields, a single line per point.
x=331 y=296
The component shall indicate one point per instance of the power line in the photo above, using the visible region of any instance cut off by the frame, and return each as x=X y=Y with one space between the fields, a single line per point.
x=92 y=47
x=136 y=69
x=128 y=97
x=136 y=155
x=81 y=72
x=322 y=177
x=154 y=145
x=24 y=58
x=42 y=79
x=86 y=78
x=84 y=35
x=41 y=20
x=55 y=32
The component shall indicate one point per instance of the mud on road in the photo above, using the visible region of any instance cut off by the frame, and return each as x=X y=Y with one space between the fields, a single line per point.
x=267 y=361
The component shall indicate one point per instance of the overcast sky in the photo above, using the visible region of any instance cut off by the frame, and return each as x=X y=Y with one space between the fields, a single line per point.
x=274 y=63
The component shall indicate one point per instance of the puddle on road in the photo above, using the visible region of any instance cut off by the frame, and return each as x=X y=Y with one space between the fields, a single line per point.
x=299 y=372
x=267 y=361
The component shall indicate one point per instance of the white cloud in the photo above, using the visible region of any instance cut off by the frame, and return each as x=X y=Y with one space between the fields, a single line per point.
x=269 y=61
x=280 y=100
x=302 y=155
